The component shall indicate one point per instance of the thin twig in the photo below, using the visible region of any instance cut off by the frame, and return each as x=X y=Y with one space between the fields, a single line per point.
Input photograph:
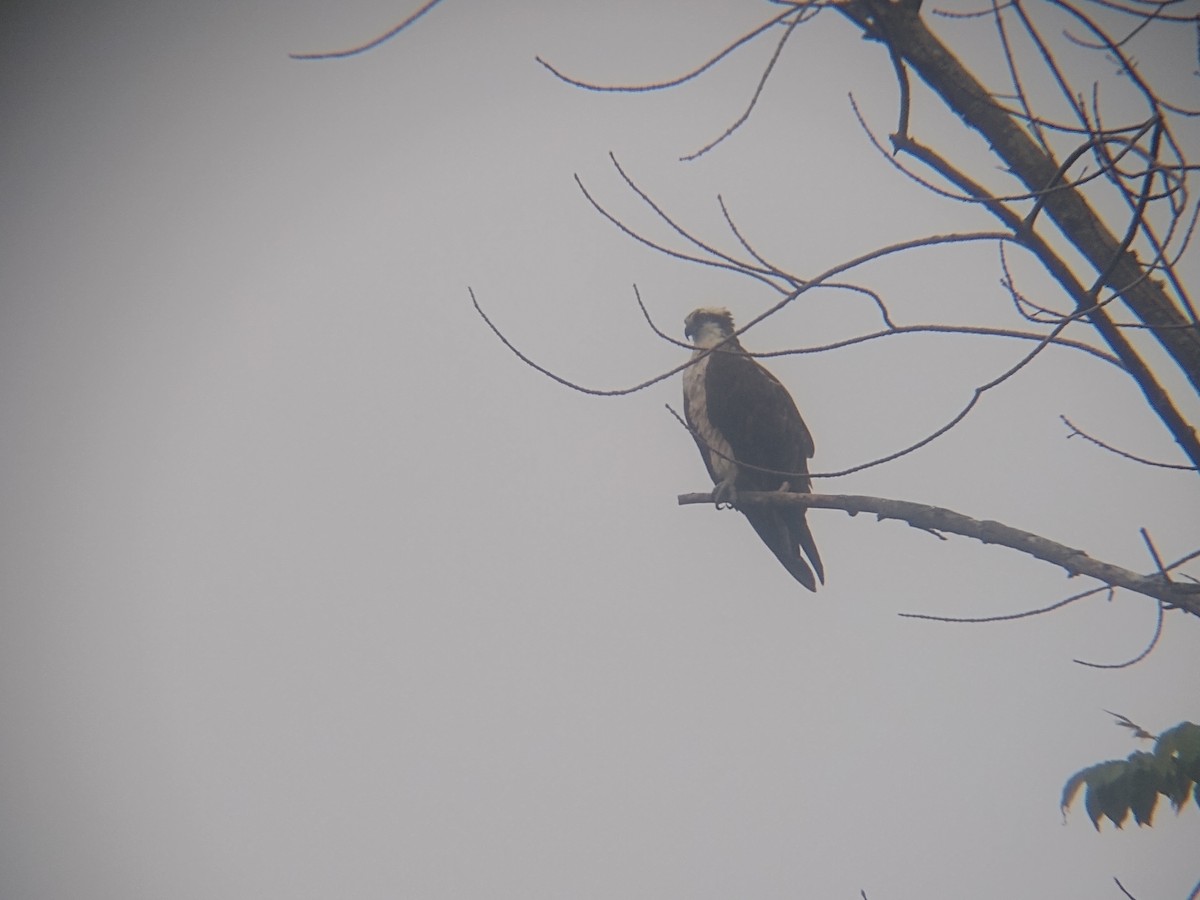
x=1029 y=613
x=1014 y=77
x=1138 y=731
x=595 y=392
x=658 y=331
x=1149 y=542
x=719 y=263
x=976 y=395
x=768 y=271
x=1076 y=431
x=673 y=82
x=762 y=83
x=371 y=44
x=979 y=330
x=1158 y=628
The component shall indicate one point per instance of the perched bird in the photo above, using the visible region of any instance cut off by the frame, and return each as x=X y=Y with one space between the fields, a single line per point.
x=751 y=438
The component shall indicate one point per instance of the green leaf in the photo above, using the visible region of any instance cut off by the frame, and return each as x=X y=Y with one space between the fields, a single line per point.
x=1142 y=805
x=1145 y=776
x=1181 y=742
x=1115 y=799
x=1179 y=748
x=1118 y=787
x=1183 y=798
x=1174 y=784
x=1095 y=800
x=1091 y=802
x=1071 y=788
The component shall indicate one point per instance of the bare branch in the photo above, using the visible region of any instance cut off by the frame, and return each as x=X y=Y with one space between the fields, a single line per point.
x=1026 y=308
x=1138 y=731
x=1154 y=553
x=754 y=254
x=1158 y=627
x=1128 y=68
x=980 y=330
x=1070 y=211
x=1027 y=614
x=762 y=82
x=1075 y=431
x=1014 y=77
x=1185 y=597
x=720 y=261
x=673 y=82
x=819 y=281
x=658 y=331
x=976 y=395
x=595 y=392
x=1158 y=7
x=766 y=271
x=371 y=44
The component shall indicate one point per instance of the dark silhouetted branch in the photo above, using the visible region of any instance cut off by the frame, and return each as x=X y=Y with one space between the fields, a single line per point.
x=671 y=82
x=1009 y=617
x=908 y=35
x=1158 y=628
x=371 y=44
x=1077 y=432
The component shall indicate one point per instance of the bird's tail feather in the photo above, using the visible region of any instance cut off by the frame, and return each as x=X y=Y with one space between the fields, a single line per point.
x=781 y=537
x=798 y=526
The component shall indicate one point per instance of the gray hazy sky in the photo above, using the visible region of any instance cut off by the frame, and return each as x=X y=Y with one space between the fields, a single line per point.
x=310 y=589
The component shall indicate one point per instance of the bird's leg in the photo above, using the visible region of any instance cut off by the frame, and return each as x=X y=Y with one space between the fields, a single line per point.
x=725 y=494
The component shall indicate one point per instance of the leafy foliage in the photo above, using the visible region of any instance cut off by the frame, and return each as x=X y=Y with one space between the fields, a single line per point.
x=1121 y=786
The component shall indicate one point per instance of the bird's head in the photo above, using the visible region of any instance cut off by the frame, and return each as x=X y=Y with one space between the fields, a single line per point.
x=708 y=325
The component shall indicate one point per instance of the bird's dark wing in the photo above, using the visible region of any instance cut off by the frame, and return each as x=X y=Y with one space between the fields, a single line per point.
x=760 y=421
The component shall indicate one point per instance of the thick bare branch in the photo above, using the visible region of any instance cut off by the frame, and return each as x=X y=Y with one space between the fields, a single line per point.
x=920 y=515
x=907 y=34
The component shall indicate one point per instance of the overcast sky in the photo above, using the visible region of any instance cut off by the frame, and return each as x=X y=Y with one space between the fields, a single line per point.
x=309 y=588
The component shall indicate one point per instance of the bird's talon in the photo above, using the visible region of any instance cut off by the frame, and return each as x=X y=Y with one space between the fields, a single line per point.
x=725 y=495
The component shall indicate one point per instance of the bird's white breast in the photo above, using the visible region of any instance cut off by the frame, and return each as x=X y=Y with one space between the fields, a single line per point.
x=695 y=401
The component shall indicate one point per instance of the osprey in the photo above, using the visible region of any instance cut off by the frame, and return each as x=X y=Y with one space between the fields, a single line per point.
x=750 y=436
